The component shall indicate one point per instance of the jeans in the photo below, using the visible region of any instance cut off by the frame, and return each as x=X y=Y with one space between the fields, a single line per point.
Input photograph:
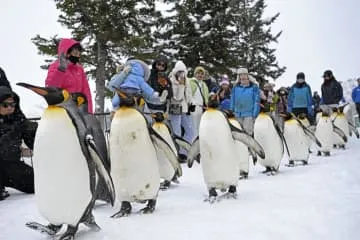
x=185 y=121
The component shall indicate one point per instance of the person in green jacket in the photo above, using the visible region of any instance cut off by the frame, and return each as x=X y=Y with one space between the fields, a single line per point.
x=200 y=95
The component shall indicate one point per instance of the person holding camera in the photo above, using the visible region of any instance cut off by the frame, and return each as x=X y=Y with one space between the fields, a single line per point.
x=180 y=105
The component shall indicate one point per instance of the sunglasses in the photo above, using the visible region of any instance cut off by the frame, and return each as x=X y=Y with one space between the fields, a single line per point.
x=160 y=64
x=8 y=104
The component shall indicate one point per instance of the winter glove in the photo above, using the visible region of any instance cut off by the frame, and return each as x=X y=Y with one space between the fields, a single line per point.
x=63 y=62
x=191 y=109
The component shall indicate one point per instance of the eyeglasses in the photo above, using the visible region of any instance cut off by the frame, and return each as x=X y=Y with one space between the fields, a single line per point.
x=8 y=104
x=160 y=64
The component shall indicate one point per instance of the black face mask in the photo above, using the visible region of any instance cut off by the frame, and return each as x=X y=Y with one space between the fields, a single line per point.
x=74 y=59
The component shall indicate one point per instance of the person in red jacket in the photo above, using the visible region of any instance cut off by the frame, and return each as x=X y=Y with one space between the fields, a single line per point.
x=67 y=73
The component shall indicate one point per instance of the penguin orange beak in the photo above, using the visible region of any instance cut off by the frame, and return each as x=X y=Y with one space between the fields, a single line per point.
x=39 y=90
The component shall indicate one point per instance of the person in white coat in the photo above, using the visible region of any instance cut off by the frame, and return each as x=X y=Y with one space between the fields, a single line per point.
x=179 y=109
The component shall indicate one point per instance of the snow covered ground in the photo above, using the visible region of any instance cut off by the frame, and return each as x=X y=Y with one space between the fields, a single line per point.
x=319 y=201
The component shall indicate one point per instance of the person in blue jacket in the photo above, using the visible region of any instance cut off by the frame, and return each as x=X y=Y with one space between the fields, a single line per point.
x=132 y=79
x=300 y=98
x=245 y=101
x=356 y=97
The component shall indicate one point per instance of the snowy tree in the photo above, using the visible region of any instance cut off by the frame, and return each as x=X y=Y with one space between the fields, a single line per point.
x=197 y=33
x=221 y=35
x=252 y=48
x=108 y=30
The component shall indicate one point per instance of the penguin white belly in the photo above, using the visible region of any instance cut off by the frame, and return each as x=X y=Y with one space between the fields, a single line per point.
x=324 y=132
x=134 y=164
x=341 y=122
x=307 y=124
x=267 y=136
x=61 y=172
x=318 y=116
x=297 y=141
x=167 y=171
x=218 y=160
x=348 y=112
x=242 y=152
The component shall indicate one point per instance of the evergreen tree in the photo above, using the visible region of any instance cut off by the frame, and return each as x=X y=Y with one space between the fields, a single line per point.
x=252 y=47
x=221 y=35
x=108 y=30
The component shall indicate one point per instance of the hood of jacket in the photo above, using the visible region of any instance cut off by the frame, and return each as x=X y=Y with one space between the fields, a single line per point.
x=179 y=66
x=65 y=44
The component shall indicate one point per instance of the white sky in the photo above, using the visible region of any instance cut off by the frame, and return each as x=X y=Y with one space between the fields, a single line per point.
x=317 y=35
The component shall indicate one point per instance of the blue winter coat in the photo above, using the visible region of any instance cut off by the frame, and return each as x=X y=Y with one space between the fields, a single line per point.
x=300 y=97
x=225 y=104
x=245 y=101
x=133 y=81
x=356 y=94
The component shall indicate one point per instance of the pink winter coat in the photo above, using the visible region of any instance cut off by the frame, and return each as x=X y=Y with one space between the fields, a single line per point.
x=73 y=79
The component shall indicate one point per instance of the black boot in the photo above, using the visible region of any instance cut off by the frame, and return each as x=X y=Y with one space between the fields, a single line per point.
x=124 y=210
x=150 y=208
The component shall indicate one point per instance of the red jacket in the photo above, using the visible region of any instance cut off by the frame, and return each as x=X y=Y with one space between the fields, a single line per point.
x=73 y=79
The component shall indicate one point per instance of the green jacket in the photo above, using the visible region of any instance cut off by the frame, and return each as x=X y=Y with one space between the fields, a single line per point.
x=204 y=88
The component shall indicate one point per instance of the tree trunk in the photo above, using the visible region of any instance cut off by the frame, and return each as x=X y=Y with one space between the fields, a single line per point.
x=100 y=81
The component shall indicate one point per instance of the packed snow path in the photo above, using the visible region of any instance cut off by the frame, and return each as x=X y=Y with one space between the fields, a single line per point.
x=318 y=201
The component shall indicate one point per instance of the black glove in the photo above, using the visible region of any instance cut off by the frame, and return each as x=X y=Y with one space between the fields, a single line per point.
x=191 y=108
x=63 y=62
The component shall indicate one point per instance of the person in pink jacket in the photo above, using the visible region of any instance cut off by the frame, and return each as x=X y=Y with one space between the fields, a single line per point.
x=67 y=73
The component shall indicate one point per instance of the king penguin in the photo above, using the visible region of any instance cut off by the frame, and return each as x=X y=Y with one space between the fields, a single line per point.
x=324 y=132
x=241 y=149
x=66 y=160
x=167 y=171
x=133 y=156
x=271 y=138
x=349 y=114
x=298 y=136
x=216 y=145
x=339 y=120
x=94 y=126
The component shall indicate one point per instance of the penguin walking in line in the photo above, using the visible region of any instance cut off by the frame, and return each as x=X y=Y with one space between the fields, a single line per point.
x=66 y=160
x=339 y=120
x=297 y=137
x=324 y=132
x=216 y=145
x=167 y=171
x=94 y=126
x=349 y=114
x=241 y=149
x=133 y=156
x=271 y=138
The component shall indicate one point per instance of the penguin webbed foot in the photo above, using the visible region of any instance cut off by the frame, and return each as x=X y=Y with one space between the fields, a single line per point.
x=165 y=185
x=304 y=162
x=326 y=154
x=50 y=229
x=212 y=196
x=243 y=175
x=267 y=170
x=150 y=208
x=91 y=223
x=290 y=164
x=319 y=153
x=125 y=210
x=69 y=234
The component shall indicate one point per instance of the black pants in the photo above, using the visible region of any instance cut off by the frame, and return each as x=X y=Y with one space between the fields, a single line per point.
x=18 y=175
x=299 y=111
x=358 y=110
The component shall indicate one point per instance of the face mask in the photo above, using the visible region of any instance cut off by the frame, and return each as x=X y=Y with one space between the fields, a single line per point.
x=74 y=59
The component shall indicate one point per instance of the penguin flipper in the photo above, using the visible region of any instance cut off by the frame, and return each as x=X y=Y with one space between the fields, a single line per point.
x=308 y=132
x=354 y=129
x=100 y=166
x=160 y=143
x=182 y=143
x=193 y=152
x=339 y=132
x=242 y=136
x=280 y=133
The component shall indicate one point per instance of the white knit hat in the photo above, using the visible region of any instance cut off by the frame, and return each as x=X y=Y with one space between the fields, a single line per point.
x=242 y=71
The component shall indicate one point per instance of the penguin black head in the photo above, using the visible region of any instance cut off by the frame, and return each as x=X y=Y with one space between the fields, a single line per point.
x=126 y=99
x=52 y=95
x=213 y=101
x=80 y=100
x=158 y=116
x=302 y=116
x=286 y=116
